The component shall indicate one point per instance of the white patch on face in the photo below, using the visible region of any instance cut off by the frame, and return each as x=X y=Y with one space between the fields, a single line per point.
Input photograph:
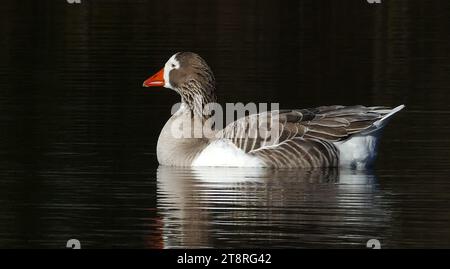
x=172 y=63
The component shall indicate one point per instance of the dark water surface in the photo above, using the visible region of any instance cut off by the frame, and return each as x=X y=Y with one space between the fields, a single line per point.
x=78 y=132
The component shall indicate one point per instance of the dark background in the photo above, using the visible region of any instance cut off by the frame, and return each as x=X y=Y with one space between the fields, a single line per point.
x=78 y=132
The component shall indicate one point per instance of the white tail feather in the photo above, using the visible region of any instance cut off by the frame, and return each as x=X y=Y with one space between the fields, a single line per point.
x=360 y=150
x=379 y=124
x=383 y=121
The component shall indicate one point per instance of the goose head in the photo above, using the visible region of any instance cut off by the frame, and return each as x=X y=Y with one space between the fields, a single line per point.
x=190 y=76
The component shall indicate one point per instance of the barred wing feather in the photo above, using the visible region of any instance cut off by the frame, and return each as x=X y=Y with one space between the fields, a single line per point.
x=301 y=138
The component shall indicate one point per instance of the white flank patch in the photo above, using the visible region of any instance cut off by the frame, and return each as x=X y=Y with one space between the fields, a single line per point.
x=358 y=151
x=224 y=153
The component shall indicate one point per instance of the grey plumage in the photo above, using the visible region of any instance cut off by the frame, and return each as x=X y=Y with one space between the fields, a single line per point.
x=306 y=137
x=298 y=137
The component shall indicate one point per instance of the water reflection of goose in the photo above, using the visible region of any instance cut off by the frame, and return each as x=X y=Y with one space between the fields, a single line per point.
x=251 y=207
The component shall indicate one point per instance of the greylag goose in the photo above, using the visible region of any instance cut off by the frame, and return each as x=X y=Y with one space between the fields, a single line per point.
x=326 y=136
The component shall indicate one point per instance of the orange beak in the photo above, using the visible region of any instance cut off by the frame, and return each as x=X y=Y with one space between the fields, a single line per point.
x=156 y=80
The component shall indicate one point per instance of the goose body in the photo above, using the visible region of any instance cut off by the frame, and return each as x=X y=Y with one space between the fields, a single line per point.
x=327 y=136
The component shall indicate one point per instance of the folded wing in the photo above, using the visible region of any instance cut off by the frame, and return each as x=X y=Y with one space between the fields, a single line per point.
x=301 y=138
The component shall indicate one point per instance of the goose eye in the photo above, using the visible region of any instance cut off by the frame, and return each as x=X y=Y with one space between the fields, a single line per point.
x=173 y=65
